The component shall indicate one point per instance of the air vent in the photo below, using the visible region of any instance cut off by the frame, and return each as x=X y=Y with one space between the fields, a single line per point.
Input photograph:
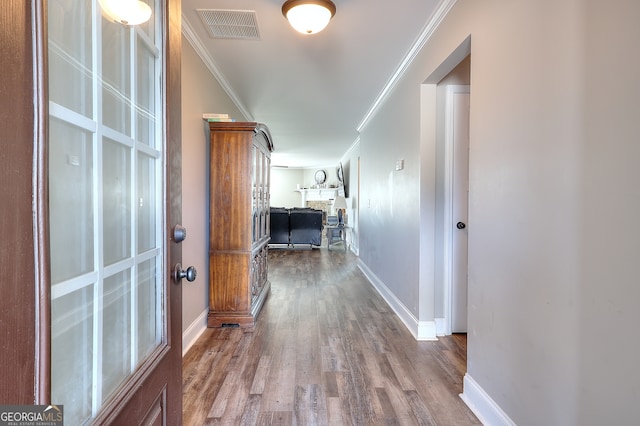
x=230 y=24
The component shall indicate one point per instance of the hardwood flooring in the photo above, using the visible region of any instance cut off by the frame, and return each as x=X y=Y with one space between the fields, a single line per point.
x=326 y=350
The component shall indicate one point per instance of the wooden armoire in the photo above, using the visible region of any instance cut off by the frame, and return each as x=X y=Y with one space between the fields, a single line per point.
x=240 y=159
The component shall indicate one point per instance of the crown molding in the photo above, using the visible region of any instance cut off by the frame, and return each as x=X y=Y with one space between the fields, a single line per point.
x=194 y=41
x=432 y=24
x=353 y=146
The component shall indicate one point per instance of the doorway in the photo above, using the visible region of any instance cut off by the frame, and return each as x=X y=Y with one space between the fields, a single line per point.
x=456 y=207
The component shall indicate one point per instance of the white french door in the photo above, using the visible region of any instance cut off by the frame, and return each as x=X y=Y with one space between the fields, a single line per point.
x=106 y=180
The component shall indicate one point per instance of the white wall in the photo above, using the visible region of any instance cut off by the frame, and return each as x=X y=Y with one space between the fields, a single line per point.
x=284 y=183
x=309 y=175
x=554 y=300
x=283 y=187
x=200 y=93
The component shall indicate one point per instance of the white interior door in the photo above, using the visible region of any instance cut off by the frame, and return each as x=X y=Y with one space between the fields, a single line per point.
x=458 y=108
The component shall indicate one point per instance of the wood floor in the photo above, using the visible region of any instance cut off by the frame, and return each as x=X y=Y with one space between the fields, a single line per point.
x=326 y=350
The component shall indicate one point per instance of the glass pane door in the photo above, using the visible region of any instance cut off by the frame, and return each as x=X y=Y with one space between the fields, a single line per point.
x=105 y=194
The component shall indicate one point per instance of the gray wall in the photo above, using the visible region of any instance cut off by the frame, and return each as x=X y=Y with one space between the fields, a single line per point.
x=200 y=93
x=553 y=291
x=607 y=303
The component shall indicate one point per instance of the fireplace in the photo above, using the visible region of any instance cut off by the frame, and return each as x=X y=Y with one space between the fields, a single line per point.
x=325 y=206
x=320 y=199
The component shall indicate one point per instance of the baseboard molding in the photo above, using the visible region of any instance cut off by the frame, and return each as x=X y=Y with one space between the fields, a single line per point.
x=441 y=328
x=195 y=330
x=485 y=408
x=421 y=330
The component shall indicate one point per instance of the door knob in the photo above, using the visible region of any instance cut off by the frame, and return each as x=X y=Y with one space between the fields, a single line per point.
x=190 y=273
x=179 y=233
x=461 y=225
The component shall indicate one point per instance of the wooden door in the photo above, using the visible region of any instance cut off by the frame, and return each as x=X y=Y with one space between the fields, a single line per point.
x=151 y=392
x=21 y=282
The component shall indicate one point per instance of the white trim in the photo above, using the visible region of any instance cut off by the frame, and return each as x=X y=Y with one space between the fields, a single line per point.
x=353 y=146
x=447 y=236
x=65 y=114
x=194 y=331
x=98 y=217
x=440 y=327
x=73 y=284
x=194 y=41
x=426 y=331
x=432 y=24
x=421 y=330
x=485 y=408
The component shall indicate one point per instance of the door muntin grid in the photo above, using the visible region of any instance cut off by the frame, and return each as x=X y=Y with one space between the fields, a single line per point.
x=106 y=181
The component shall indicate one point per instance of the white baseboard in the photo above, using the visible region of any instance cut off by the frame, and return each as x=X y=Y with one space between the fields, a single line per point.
x=485 y=408
x=195 y=330
x=441 y=328
x=421 y=330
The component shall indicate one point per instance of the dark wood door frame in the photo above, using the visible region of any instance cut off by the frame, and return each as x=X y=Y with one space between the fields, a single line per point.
x=23 y=282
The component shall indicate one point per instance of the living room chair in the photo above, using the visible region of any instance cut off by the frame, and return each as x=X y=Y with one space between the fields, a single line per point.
x=335 y=231
x=332 y=220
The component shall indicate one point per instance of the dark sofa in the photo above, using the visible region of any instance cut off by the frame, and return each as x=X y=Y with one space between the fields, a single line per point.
x=295 y=226
x=279 y=223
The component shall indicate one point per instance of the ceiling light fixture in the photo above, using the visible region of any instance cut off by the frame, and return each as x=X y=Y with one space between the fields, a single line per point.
x=308 y=16
x=126 y=12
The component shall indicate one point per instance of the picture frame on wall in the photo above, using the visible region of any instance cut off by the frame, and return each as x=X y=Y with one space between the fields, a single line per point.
x=343 y=189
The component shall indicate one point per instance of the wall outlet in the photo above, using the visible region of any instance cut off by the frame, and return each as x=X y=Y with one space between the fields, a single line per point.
x=73 y=160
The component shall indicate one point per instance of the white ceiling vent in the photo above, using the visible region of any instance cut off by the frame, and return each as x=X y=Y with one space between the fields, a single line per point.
x=233 y=24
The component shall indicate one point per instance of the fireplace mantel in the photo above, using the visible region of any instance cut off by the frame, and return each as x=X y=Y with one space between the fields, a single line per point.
x=317 y=194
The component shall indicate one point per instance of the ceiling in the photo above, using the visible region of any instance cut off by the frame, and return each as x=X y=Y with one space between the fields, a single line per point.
x=312 y=91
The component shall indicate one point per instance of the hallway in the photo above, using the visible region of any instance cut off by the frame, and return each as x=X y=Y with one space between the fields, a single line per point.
x=326 y=350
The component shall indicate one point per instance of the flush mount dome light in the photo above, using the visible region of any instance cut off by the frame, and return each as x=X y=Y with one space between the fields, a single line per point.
x=308 y=16
x=126 y=12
